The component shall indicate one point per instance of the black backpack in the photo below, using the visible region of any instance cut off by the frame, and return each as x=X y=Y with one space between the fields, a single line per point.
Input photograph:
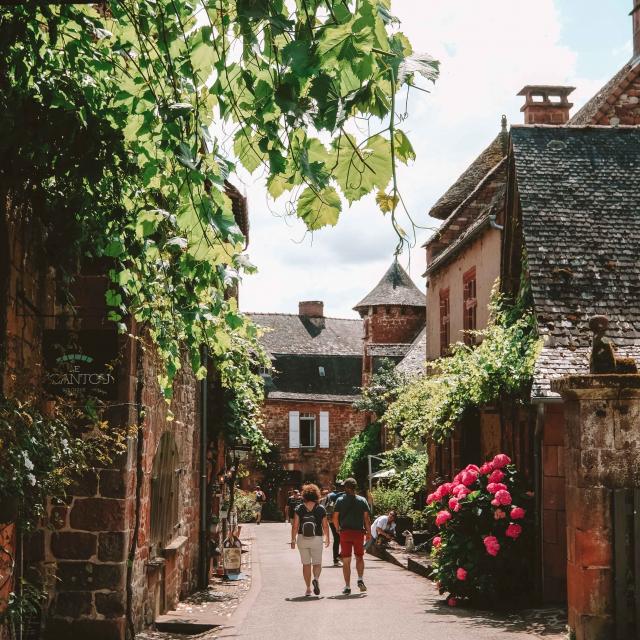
x=308 y=522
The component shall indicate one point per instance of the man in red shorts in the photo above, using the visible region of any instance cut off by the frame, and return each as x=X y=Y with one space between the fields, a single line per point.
x=352 y=519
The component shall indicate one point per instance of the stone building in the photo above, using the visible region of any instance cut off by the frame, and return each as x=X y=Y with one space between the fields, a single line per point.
x=485 y=199
x=573 y=211
x=126 y=543
x=321 y=363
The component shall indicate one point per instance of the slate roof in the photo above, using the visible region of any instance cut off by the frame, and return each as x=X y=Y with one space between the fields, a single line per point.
x=389 y=350
x=395 y=288
x=590 y=112
x=414 y=362
x=580 y=196
x=293 y=334
x=464 y=186
x=312 y=397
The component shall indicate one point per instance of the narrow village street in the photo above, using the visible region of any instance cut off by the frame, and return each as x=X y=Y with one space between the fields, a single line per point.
x=397 y=604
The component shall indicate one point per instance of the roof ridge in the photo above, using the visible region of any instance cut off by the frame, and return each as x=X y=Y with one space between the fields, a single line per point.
x=295 y=315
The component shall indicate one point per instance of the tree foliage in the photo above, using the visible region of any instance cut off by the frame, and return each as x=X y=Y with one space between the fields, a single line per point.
x=382 y=389
x=363 y=444
x=501 y=365
x=124 y=120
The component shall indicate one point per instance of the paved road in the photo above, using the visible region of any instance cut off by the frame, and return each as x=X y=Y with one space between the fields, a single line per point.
x=398 y=604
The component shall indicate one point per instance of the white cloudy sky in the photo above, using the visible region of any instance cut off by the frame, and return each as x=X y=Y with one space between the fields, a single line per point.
x=489 y=49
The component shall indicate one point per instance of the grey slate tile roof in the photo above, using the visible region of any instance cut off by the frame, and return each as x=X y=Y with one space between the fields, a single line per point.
x=311 y=397
x=395 y=288
x=557 y=362
x=314 y=359
x=293 y=334
x=580 y=196
x=395 y=350
x=467 y=182
x=414 y=362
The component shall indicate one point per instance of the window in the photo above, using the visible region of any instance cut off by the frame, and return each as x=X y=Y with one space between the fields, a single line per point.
x=307 y=430
x=469 y=305
x=165 y=517
x=321 y=372
x=444 y=321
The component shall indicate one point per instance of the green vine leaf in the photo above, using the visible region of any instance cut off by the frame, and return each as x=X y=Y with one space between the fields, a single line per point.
x=319 y=208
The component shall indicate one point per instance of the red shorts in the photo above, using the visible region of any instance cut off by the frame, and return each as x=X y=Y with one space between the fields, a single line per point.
x=351 y=541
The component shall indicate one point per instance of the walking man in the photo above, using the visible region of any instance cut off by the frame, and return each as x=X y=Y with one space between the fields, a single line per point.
x=352 y=519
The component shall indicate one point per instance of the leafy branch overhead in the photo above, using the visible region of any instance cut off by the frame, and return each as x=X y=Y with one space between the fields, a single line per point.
x=155 y=99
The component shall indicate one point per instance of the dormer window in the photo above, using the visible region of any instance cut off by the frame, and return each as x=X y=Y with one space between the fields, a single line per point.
x=321 y=372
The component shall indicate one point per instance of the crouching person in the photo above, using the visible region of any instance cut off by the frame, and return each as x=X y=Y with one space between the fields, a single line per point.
x=309 y=530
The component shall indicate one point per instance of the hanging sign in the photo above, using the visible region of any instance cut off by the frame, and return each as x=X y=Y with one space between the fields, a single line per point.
x=81 y=363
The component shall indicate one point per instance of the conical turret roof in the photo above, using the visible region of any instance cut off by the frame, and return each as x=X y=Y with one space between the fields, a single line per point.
x=395 y=288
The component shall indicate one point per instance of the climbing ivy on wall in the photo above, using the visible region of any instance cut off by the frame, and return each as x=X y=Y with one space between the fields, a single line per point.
x=123 y=120
x=500 y=366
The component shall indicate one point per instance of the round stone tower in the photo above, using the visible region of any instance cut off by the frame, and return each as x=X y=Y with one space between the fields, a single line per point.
x=393 y=314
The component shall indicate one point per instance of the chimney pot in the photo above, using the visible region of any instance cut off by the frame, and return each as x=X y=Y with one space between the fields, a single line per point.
x=635 y=16
x=311 y=309
x=546 y=104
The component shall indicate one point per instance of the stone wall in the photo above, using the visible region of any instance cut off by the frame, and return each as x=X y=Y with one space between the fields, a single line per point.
x=26 y=308
x=393 y=324
x=602 y=445
x=319 y=465
x=554 y=526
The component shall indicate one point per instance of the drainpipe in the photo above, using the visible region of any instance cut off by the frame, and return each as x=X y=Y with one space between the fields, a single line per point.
x=494 y=225
x=204 y=559
x=537 y=481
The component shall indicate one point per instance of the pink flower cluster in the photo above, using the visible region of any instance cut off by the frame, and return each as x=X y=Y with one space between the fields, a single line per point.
x=492 y=545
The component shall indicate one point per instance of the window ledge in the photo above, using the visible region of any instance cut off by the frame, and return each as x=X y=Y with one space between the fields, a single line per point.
x=175 y=545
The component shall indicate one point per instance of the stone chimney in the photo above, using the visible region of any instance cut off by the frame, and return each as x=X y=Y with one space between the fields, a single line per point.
x=311 y=309
x=635 y=14
x=546 y=104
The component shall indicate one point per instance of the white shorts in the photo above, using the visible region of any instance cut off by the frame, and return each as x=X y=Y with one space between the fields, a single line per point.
x=310 y=549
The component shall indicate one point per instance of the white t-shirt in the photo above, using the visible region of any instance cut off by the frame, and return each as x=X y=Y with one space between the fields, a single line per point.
x=382 y=522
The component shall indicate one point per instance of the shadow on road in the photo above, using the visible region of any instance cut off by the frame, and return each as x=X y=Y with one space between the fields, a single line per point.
x=353 y=596
x=545 y=622
x=304 y=598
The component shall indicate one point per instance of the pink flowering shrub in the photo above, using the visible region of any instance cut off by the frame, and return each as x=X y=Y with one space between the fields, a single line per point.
x=484 y=544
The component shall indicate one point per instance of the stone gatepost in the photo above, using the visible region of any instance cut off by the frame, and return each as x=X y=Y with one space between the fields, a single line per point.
x=602 y=453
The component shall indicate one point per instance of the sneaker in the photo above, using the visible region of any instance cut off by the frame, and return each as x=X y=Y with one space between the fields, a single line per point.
x=337 y=563
x=316 y=586
x=346 y=591
x=361 y=585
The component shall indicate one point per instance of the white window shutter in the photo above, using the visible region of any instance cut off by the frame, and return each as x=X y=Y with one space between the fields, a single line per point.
x=324 y=429
x=294 y=429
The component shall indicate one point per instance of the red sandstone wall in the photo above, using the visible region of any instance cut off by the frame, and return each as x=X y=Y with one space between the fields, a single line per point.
x=28 y=307
x=554 y=527
x=320 y=465
x=389 y=325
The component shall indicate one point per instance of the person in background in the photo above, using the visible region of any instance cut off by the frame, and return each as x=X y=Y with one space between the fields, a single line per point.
x=383 y=529
x=352 y=519
x=330 y=506
x=308 y=530
x=292 y=503
x=260 y=498
x=286 y=506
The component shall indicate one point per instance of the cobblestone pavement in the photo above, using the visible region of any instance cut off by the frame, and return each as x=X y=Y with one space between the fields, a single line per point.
x=225 y=595
x=399 y=603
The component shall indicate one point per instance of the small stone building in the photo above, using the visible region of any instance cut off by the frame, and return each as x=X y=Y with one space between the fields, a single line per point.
x=320 y=364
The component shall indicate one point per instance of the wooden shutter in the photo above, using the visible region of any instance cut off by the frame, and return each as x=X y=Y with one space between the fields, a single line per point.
x=294 y=429
x=324 y=429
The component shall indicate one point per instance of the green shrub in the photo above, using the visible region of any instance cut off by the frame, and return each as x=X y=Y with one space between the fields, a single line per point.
x=363 y=444
x=244 y=501
x=384 y=500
